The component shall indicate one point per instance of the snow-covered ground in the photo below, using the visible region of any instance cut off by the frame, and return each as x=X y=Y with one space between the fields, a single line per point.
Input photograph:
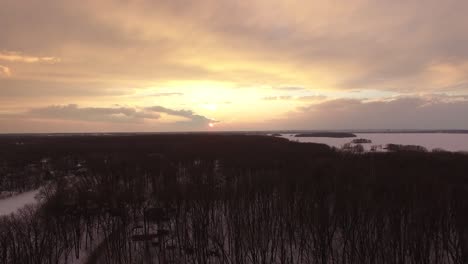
x=14 y=203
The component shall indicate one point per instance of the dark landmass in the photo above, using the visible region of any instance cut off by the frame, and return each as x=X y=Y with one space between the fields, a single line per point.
x=398 y=147
x=327 y=134
x=212 y=198
x=361 y=141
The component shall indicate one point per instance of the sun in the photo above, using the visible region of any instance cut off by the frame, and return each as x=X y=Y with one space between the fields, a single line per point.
x=211 y=125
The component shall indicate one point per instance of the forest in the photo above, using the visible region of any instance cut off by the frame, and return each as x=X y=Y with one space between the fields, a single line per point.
x=213 y=198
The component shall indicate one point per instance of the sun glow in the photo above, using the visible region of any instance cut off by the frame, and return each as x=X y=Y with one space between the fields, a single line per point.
x=211 y=107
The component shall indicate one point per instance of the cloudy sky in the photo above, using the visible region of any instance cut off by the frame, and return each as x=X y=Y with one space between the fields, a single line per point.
x=179 y=65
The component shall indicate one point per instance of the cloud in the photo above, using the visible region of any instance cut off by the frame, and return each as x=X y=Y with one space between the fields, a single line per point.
x=281 y=97
x=93 y=114
x=331 y=44
x=418 y=112
x=110 y=49
x=161 y=94
x=49 y=90
x=190 y=115
x=289 y=88
x=312 y=98
x=18 y=57
x=299 y=98
x=116 y=114
x=51 y=24
x=5 y=71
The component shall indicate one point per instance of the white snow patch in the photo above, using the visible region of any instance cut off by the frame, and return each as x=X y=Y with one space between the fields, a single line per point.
x=14 y=203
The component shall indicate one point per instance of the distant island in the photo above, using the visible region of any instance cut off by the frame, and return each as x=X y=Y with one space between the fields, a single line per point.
x=400 y=148
x=361 y=141
x=327 y=134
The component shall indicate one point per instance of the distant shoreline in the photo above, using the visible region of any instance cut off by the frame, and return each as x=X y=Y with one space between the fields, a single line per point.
x=327 y=134
x=252 y=132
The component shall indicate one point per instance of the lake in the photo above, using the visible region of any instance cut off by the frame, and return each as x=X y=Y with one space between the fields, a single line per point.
x=446 y=141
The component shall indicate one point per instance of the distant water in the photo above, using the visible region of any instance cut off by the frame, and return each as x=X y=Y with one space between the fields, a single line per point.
x=12 y=204
x=449 y=142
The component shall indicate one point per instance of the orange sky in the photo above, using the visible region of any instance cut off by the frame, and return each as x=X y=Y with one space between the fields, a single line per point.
x=175 y=65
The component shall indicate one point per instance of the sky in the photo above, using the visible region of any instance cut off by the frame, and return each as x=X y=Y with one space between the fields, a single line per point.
x=218 y=65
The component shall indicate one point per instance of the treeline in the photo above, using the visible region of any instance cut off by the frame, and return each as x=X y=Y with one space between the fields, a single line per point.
x=237 y=199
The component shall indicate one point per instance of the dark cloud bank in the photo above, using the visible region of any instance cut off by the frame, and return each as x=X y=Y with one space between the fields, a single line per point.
x=117 y=114
x=400 y=113
x=417 y=112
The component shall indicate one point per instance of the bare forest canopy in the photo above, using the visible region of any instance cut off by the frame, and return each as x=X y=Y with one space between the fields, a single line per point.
x=207 y=198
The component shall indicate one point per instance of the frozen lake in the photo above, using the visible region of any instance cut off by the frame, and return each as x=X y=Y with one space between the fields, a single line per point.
x=12 y=204
x=450 y=142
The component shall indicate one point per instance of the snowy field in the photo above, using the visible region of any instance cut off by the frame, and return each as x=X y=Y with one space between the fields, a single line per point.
x=14 y=203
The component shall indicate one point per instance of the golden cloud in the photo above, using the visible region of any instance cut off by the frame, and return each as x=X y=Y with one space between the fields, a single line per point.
x=5 y=71
x=19 y=57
